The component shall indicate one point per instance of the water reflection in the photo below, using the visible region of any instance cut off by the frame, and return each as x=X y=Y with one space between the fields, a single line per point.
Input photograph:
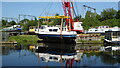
x=62 y=53
x=51 y=54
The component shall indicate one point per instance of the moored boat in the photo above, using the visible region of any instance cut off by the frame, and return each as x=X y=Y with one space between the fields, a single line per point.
x=102 y=29
x=68 y=28
x=53 y=33
x=12 y=28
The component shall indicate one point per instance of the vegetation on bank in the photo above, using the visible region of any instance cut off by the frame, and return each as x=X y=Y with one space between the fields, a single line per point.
x=109 y=17
x=25 y=39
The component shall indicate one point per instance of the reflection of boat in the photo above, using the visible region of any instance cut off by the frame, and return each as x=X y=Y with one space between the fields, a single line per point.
x=113 y=48
x=57 y=54
x=112 y=38
x=46 y=57
x=12 y=28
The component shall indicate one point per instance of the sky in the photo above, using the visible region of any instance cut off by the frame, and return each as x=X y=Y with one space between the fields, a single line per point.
x=13 y=9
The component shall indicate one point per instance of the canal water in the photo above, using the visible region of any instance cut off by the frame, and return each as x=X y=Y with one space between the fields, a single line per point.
x=5 y=36
x=54 y=54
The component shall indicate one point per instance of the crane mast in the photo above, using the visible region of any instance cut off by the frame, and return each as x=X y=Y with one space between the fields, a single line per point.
x=68 y=11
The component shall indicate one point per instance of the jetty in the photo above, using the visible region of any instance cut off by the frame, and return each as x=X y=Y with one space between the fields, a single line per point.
x=8 y=42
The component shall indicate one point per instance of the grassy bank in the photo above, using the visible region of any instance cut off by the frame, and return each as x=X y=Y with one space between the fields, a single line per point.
x=24 y=39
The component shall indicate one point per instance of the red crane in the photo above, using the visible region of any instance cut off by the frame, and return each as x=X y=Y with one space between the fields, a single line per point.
x=68 y=10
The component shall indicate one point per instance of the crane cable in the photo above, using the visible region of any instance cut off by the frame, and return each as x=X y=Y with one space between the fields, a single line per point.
x=73 y=8
x=44 y=9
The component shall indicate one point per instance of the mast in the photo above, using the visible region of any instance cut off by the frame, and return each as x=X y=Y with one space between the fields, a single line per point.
x=68 y=10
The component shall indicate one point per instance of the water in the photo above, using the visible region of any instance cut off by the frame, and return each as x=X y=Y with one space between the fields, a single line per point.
x=5 y=36
x=52 y=54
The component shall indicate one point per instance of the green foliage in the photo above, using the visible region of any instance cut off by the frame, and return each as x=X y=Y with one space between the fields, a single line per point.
x=56 y=21
x=77 y=18
x=118 y=14
x=108 y=14
x=24 y=39
x=28 y=24
x=90 y=20
x=4 y=22
x=108 y=17
x=12 y=23
x=111 y=22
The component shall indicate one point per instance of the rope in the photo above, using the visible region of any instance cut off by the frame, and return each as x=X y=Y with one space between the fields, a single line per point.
x=76 y=8
x=73 y=9
x=44 y=9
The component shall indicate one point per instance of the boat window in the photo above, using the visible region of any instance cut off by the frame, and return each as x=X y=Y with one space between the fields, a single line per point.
x=42 y=58
x=50 y=29
x=55 y=30
x=42 y=27
x=96 y=30
x=50 y=58
x=55 y=58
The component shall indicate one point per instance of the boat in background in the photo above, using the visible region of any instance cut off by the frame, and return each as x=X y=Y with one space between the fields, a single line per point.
x=32 y=30
x=12 y=28
x=102 y=29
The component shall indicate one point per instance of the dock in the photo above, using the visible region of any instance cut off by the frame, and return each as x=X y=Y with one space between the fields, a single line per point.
x=88 y=39
x=8 y=42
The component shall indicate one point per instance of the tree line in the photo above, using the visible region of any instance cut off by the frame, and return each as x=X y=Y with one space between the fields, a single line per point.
x=109 y=17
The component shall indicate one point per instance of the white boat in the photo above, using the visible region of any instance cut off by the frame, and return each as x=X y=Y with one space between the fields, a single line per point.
x=102 y=29
x=55 y=33
x=12 y=28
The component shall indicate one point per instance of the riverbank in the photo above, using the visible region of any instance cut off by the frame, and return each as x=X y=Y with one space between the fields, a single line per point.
x=33 y=39
x=24 y=39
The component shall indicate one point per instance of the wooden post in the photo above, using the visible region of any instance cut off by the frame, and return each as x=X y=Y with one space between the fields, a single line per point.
x=38 y=24
x=61 y=28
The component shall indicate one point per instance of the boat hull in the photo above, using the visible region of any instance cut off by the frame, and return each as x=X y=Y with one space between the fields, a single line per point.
x=57 y=38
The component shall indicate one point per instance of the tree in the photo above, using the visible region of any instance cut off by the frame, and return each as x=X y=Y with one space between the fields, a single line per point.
x=108 y=14
x=90 y=20
x=118 y=14
x=77 y=17
x=55 y=21
x=30 y=23
x=4 y=22
x=12 y=23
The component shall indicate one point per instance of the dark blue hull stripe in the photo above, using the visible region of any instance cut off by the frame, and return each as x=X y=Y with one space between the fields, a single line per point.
x=56 y=35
